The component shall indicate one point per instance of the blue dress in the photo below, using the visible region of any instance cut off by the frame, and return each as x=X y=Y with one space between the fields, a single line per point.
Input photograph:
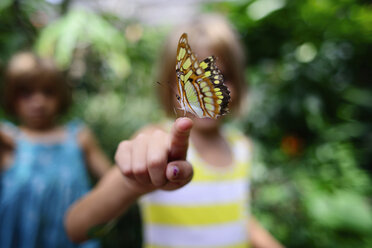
x=35 y=192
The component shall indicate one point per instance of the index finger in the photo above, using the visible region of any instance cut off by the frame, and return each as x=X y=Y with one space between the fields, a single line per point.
x=179 y=139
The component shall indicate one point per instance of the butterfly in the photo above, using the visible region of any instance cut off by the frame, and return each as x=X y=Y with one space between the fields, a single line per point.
x=201 y=89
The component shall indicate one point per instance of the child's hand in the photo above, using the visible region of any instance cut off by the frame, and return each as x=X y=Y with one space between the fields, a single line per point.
x=157 y=159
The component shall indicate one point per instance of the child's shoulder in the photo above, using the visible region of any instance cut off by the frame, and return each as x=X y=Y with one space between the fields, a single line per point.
x=75 y=125
x=241 y=143
x=78 y=129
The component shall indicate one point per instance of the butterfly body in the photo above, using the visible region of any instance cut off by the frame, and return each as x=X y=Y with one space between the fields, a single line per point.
x=201 y=86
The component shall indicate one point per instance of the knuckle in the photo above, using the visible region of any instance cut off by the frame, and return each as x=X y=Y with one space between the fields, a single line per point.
x=117 y=157
x=159 y=133
x=155 y=162
x=124 y=145
x=127 y=172
x=140 y=137
x=140 y=170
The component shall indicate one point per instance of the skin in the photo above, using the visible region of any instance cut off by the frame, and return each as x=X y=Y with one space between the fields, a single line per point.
x=214 y=149
x=37 y=110
x=260 y=238
x=155 y=159
x=6 y=151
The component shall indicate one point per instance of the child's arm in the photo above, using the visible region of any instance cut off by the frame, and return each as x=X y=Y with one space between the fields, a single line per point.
x=111 y=197
x=260 y=238
x=96 y=160
x=153 y=159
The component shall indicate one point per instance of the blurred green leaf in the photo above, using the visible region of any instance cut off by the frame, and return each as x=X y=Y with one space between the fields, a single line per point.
x=5 y=4
x=340 y=210
x=310 y=88
x=82 y=30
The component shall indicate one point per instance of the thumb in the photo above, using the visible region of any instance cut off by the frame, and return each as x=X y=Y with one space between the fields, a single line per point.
x=179 y=139
x=178 y=174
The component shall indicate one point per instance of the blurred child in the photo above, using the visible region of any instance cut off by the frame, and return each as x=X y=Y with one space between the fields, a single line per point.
x=50 y=161
x=213 y=209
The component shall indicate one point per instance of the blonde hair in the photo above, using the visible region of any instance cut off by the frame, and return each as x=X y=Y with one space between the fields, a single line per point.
x=214 y=33
x=26 y=70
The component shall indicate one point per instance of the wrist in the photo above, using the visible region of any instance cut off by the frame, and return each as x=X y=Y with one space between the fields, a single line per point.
x=118 y=189
x=136 y=190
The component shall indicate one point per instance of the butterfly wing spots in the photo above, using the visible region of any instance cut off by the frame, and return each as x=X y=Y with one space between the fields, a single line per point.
x=191 y=92
x=200 y=84
x=207 y=62
x=181 y=53
x=186 y=64
x=223 y=97
x=197 y=110
x=187 y=76
x=192 y=102
x=209 y=65
x=183 y=43
x=208 y=97
x=221 y=93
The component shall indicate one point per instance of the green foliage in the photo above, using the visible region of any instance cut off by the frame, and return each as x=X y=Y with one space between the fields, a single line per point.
x=310 y=108
x=16 y=31
x=309 y=111
x=5 y=4
x=113 y=77
x=81 y=29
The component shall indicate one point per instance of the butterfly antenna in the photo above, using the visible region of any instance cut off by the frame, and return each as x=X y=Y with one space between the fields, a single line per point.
x=174 y=92
x=170 y=86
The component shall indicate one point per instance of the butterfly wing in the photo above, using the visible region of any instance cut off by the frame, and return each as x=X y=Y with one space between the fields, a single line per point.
x=200 y=86
x=221 y=94
x=188 y=91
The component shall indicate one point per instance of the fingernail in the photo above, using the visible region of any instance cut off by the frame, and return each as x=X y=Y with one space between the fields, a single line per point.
x=175 y=171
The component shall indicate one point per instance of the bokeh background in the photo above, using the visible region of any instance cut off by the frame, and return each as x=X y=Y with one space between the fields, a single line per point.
x=309 y=107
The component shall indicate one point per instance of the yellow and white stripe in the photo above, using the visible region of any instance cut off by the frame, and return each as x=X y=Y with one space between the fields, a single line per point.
x=223 y=192
x=211 y=211
x=221 y=235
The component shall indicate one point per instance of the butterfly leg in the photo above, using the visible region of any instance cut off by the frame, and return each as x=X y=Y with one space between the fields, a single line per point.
x=175 y=111
x=184 y=111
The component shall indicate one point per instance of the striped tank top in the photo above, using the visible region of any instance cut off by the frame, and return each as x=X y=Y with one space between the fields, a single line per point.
x=210 y=212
